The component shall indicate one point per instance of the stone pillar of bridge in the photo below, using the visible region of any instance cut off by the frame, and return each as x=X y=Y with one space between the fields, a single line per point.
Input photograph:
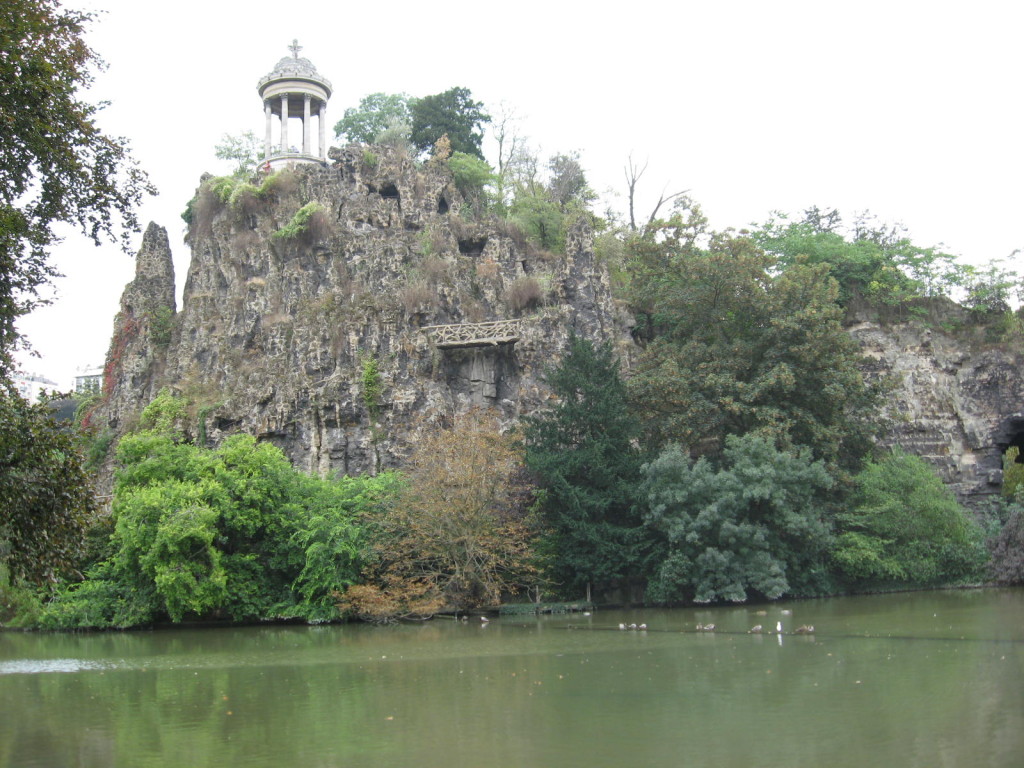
x=483 y=378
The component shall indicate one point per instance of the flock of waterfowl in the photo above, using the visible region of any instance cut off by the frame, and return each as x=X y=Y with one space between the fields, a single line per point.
x=804 y=629
x=757 y=629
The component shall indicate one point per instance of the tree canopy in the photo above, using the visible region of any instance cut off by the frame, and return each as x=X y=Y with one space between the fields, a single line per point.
x=736 y=347
x=243 y=150
x=452 y=113
x=376 y=114
x=233 y=532
x=752 y=524
x=55 y=163
x=903 y=526
x=869 y=260
x=46 y=498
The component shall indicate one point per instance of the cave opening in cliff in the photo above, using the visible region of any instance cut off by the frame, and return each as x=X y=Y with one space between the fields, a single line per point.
x=1012 y=447
x=442 y=205
x=473 y=246
x=390 y=192
x=1013 y=437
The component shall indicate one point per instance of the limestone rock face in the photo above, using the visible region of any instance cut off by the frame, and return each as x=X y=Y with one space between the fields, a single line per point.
x=958 y=405
x=142 y=330
x=318 y=331
x=317 y=336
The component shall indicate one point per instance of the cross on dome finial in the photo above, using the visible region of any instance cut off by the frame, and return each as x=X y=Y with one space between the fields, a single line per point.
x=295 y=48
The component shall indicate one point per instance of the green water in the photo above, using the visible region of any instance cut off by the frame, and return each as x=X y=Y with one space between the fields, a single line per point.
x=923 y=679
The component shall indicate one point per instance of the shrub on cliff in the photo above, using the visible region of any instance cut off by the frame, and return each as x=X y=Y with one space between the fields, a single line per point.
x=308 y=225
x=1005 y=517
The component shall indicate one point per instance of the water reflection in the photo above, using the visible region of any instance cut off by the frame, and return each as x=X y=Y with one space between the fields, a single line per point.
x=921 y=679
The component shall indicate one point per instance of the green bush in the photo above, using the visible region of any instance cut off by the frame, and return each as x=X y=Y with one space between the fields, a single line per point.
x=472 y=175
x=161 y=323
x=98 y=448
x=906 y=528
x=752 y=525
x=231 y=533
x=372 y=388
x=308 y=218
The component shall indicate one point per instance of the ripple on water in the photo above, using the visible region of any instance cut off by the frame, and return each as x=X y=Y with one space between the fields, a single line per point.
x=41 y=666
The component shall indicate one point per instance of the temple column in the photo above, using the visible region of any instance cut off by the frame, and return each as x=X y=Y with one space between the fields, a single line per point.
x=323 y=129
x=305 y=123
x=270 y=114
x=284 y=122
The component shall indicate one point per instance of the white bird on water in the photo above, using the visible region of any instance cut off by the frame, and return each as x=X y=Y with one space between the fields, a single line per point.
x=778 y=627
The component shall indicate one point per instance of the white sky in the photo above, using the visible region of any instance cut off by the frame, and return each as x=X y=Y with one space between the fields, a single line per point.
x=912 y=110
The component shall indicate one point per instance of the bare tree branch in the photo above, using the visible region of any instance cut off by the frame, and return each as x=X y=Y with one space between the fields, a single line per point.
x=633 y=174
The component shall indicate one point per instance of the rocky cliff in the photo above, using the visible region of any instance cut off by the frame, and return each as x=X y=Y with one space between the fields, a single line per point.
x=137 y=356
x=338 y=309
x=957 y=401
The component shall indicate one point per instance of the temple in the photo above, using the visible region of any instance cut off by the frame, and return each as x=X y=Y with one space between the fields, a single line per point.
x=295 y=89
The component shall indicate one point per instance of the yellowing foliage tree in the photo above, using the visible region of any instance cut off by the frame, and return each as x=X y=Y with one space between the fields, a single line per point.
x=456 y=537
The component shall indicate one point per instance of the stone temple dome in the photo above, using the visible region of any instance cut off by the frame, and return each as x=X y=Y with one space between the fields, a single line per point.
x=294 y=89
x=295 y=68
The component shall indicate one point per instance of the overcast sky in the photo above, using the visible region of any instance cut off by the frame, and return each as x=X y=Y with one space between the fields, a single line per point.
x=912 y=110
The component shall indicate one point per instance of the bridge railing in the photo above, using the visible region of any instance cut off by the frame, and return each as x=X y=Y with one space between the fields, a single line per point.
x=474 y=334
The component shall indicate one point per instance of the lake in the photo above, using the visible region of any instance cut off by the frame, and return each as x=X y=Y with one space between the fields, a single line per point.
x=914 y=679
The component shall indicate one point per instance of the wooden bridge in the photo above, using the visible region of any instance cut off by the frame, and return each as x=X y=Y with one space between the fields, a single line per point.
x=474 y=334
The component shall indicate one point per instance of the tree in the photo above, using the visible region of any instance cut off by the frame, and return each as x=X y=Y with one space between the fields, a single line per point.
x=376 y=114
x=539 y=219
x=905 y=527
x=456 y=537
x=737 y=348
x=1006 y=545
x=245 y=150
x=582 y=453
x=234 y=532
x=752 y=524
x=452 y=113
x=567 y=186
x=510 y=145
x=873 y=262
x=992 y=288
x=544 y=209
x=473 y=177
x=633 y=172
x=55 y=163
x=46 y=499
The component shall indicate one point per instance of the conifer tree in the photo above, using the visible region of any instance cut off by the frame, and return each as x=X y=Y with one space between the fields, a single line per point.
x=583 y=455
